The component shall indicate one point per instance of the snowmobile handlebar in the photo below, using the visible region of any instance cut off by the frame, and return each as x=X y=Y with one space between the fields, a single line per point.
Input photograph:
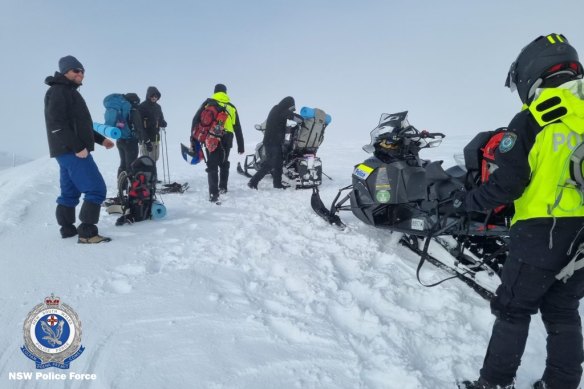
x=423 y=135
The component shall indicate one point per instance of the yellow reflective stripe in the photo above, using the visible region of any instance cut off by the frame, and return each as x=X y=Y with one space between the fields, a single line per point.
x=559 y=37
x=365 y=168
x=551 y=39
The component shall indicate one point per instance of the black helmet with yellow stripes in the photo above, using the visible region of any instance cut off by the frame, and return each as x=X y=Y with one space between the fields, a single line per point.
x=548 y=61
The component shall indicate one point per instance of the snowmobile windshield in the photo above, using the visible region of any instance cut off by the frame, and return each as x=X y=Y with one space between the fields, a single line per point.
x=388 y=124
x=396 y=128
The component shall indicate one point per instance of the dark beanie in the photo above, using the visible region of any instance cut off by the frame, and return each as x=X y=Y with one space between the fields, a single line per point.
x=69 y=62
x=220 y=88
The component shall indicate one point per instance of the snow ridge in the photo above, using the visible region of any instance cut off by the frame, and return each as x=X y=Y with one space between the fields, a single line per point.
x=256 y=293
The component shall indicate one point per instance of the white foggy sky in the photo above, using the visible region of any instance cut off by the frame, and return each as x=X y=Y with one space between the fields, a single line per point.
x=444 y=61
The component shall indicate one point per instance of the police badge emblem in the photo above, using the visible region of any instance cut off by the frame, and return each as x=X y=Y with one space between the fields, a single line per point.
x=52 y=334
x=507 y=142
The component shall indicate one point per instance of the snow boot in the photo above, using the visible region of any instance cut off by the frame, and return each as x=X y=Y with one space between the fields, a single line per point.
x=66 y=219
x=89 y=216
x=94 y=239
x=483 y=384
x=252 y=185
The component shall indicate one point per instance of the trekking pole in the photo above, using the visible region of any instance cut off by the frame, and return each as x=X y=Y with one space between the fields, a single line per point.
x=166 y=153
x=163 y=162
x=327 y=176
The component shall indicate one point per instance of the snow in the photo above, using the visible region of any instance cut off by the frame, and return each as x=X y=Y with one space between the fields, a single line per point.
x=11 y=159
x=256 y=293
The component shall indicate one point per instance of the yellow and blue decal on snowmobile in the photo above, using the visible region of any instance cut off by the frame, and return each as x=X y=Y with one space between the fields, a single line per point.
x=362 y=171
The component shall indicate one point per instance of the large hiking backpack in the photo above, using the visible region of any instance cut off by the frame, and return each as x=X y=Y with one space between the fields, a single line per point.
x=302 y=168
x=309 y=135
x=137 y=192
x=211 y=126
x=118 y=113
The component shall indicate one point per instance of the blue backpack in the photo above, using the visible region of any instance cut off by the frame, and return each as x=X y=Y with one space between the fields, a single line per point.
x=117 y=114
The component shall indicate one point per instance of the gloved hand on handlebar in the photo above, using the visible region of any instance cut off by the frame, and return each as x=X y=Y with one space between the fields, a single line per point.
x=459 y=200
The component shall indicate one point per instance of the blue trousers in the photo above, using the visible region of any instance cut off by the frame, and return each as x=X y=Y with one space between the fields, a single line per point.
x=77 y=176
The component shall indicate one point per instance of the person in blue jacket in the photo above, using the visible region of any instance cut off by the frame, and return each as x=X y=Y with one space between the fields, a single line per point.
x=71 y=141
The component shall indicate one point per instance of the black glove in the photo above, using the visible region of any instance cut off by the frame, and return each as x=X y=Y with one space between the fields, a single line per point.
x=459 y=200
x=148 y=144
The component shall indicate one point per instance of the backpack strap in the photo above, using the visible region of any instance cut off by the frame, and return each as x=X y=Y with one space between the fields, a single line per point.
x=576 y=166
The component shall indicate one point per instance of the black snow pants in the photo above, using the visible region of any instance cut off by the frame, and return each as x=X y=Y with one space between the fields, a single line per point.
x=128 y=149
x=529 y=285
x=218 y=169
x=273 y=164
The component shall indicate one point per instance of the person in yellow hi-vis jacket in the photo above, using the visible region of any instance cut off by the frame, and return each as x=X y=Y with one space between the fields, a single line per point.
x=218 y=159
x=541 y=273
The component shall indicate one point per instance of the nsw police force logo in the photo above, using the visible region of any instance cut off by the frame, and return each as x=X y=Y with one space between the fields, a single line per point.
x=52 y=334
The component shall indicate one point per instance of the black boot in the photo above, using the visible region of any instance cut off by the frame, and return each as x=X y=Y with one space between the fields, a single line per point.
x=89 y=216
x=539 y=384
x=66 y=219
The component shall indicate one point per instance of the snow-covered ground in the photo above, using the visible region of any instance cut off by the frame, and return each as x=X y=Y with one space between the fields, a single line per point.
x=256 y=293
x=8 y=160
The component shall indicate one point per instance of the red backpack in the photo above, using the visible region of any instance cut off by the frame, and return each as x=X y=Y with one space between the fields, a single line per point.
x=488 y=165
x=211 y=126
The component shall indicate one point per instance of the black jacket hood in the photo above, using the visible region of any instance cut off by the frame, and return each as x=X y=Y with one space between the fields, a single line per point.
x=286 y=102
x=152 y=90
x=59 y=78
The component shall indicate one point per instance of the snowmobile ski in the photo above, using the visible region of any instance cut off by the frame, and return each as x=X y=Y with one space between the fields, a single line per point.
x=241 y=171
x=466 y=267
x=321 y=210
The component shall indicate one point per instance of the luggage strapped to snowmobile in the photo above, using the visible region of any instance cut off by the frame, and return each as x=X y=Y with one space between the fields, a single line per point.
x=301 y=167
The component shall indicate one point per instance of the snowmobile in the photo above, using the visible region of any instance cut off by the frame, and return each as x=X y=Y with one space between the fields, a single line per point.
x=397 y=190
x=302 y=168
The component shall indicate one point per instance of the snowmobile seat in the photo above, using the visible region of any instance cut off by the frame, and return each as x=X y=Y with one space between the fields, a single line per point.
x=435 y=172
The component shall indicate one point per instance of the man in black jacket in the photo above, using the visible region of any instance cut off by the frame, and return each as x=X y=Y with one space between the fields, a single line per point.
x=274 y=136
x=153 y=121
x=71 y=141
